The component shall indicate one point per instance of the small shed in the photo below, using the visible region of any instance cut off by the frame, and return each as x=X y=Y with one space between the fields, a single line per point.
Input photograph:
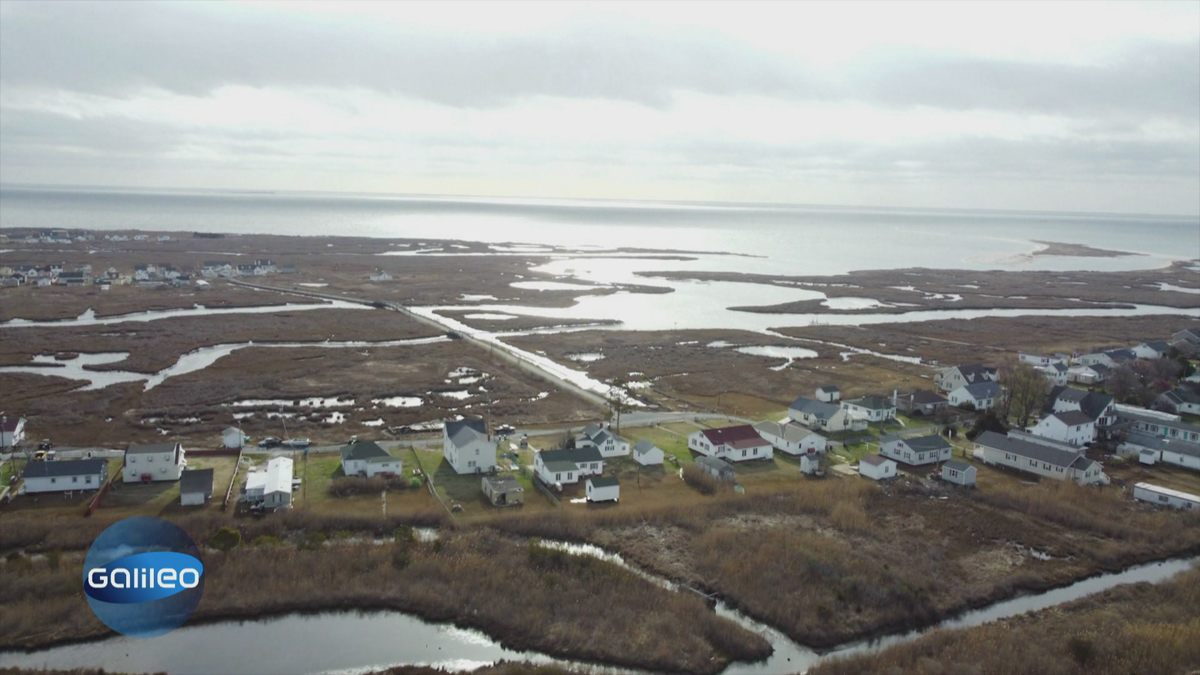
x=195 y=487
x=233 y=437
x=959 y=473
x=876 y=467
x=603 y=489
x=1166 y=497
x=503 y=490
x=1148 y=457
x=717 y=468
x=810 y=463
x=647 y=454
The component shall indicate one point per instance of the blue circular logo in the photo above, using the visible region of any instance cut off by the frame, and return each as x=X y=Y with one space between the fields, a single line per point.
x=143 y=577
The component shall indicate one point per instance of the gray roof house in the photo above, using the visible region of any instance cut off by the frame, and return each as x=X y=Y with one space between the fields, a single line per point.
x=717 y=468
x=915 y=451
x=569 y=465
x=195 y=487
x=959 y=473
x=647 y=453
x=467 y=446
x=65 y=475
x=1039 y=456
x=366 y=458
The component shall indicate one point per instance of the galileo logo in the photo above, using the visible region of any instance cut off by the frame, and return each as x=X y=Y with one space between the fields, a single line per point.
x=143 y=577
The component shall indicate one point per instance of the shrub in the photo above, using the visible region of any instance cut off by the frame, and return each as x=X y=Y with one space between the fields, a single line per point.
x=404 y=533
x=312 y=541
x=225 y=539
x=353 y=485
x=701 y=480
x=266 y=540
x=54 y=558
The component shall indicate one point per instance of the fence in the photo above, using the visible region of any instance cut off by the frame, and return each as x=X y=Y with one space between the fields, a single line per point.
x=232 y=481
x=95 y=503
x=429 y=481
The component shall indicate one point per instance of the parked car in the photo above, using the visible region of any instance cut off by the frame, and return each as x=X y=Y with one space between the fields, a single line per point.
x=270 y=442
x=505 y=430
x=45 y=444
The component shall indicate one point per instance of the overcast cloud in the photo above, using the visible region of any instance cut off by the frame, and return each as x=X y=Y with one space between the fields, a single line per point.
x=1032 y=106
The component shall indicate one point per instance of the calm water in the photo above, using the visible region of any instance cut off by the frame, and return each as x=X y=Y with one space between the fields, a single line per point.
x=786 y=239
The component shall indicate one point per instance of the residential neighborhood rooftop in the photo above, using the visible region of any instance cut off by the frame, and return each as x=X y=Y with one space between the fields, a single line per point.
x=604 y=481
x=64 y=467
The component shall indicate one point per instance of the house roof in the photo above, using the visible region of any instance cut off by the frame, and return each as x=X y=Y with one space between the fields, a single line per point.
x=1157 y=345
x=503 y=483
x=1074 y=417
x=1090 y=402
x=643 y=447
x=926 y=397
x=572 y=455
x=819 y=409
x=560 y=465
x=463 y=432
x=740 y=436
x=12 y=424
x=1153 y=417
x=976 y=372
x=982 y=390
x=196 y=480
x=604 y=481
x=592 y=429
x=957 y=465
x=278 y=475
x=788 y=432
x=364 y=450
x=1028 y=449
x=231 y=430
x=829 y=388
x=65 y=467
x=927 y=443
x=1181 y=395
x=149 y=448
x=1082 y=463
x=1169 y=444
x=1168 y=491
x=875 y=460
x=871 y=402
x=1122 y=354
x=714 y=463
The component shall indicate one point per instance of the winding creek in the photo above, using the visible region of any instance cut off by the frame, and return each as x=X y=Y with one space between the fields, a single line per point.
x=357 y=642
x=89 y=318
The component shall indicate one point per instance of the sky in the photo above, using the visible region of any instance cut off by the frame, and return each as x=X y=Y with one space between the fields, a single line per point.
x=1076 y=106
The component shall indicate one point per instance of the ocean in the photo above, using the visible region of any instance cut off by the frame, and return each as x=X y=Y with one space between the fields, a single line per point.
x=781 y=239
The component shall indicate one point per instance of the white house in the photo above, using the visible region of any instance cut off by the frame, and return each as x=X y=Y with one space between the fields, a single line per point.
x=959 y=473
x=1111 y=358
x=870 y=408
x=949 y=379
x=1073 y=427
x=1157 y=423
x=648 y=454
x=816 y=414
x=12 y=432
x=1180 y=400
x=366 y=458
x=1058 y=373
x=603 y=489
x=271 y=487
x=810 y=464
x=1093 y=374
x=151 y=462
x=915 y=451
x=1154 y=449
x=876 y=467
x=195 y=487
x=1040 y=361
x=600 y=437
x=233 y=438
x=1166 y=496
x=563 y=467
x=467 y=446
x=981 y=395
x=1188 y=335
x=1039 y=456
x=380 y=275
x=792 y=439
x=732 y=444
x=829 y=393
x=65 y=475
x=922 y=402
x=1151 y=350
x=1098 y=406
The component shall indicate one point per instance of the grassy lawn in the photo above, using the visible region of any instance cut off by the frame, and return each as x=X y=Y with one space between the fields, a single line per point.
x=668 y=438
x=324 y=468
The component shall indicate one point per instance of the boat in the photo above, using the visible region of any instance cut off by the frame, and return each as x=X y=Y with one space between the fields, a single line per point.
x=297 y=443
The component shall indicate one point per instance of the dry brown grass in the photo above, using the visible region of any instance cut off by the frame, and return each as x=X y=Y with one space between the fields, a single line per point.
x=527 y=597
x=1140 y=629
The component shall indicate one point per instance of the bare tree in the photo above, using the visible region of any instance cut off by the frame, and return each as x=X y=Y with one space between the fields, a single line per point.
x=1025 y=390
x=1123 y=383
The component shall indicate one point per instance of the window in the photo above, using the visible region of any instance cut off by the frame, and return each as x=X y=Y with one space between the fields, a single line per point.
x=1162 y=498
x=557 y=476
x=53 y=480
x=743 y=453
x=74 y=479
x=150 y=458
x=88 y=479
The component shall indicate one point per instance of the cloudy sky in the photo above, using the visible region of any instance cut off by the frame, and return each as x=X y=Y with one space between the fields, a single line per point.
x=1075 y=106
